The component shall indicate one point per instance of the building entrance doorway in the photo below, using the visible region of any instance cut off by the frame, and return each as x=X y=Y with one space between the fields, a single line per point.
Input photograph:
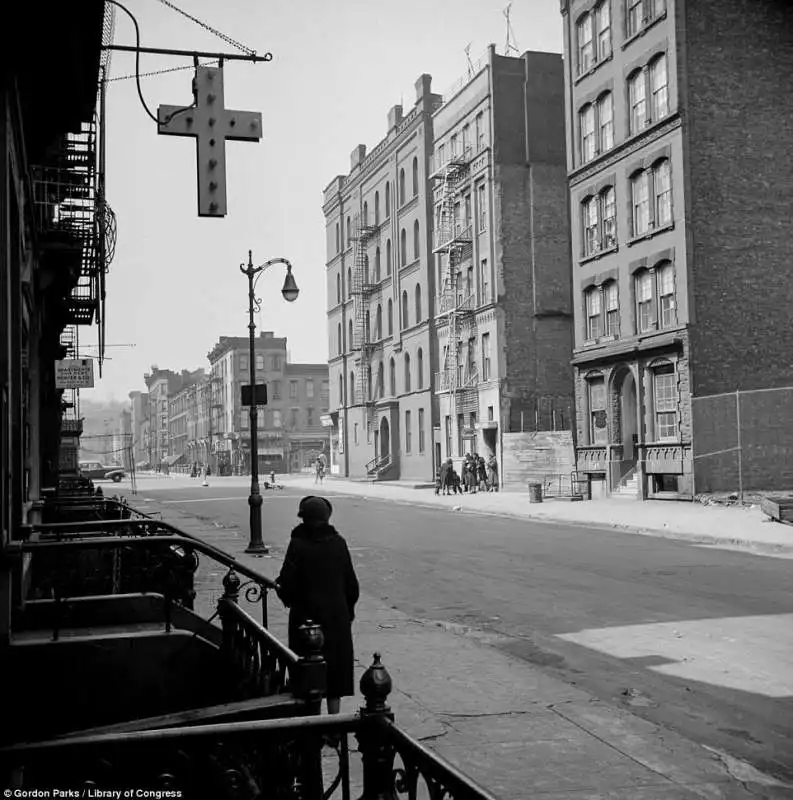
x=626 y=429
x=385 y=438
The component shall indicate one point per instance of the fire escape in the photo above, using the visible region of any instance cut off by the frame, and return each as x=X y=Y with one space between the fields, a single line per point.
x=456 y=301
x=363 y=290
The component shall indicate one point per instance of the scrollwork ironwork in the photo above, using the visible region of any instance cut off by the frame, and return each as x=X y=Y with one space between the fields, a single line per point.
x=254 y=591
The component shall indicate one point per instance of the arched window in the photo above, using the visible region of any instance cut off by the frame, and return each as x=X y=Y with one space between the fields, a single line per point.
x=388 y=257
x=420 y=369
x=405 y=320
x=645 y=303
x=349 y=282
x=369 y=384
x=351 y=395
x=338 y=288
x=608 y=211
x=377 y=208
x=338 y=238
x=365 y=213
x=390 y=317
x=392 y=377
x=593 y=312
x=380 y=381
x=377 y=265
x=667 y=315
x=605 y=109
x=403 y=248
x=341 y=390
x=415 y=176
x=418 y=303
x=611 y=302
x=349 y=335
x=586 y=121
x=378 y=323
x=387 y=200
x=662 y=193
x=586 y=49
x=596 y=395
x=640 y=199
x=591 y=226
x=349 y=232
x=401 y=186
x=666 y=396
x=416 y=240
x=407 y=372
x=338 y=339
x=637 y=98
x=367 y=330
x=659 y=91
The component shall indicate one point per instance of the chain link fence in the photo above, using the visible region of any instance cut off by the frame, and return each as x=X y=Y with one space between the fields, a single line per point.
x=743 y=441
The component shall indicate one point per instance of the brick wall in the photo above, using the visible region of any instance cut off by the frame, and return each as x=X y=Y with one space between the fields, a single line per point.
x=532 y=456
x=738 y=109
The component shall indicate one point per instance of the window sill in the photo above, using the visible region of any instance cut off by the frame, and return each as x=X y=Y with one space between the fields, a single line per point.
x=643 y=30
x=598 y=255
x=593 y=69
x=650 y=234
x=408 y=204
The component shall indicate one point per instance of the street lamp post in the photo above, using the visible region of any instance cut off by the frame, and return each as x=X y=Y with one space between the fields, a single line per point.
x=290 y=293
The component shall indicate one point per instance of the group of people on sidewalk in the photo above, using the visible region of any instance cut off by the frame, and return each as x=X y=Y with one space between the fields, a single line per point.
x=477 y=475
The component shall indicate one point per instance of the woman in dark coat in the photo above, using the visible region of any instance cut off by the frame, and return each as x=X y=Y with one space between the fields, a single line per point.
x=318 y=583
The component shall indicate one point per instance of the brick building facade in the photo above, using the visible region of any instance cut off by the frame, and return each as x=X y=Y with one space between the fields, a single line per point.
x=678 y=179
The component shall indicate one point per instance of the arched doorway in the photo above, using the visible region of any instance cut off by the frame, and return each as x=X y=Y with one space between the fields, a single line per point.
x=625 y=431
x=385 y=438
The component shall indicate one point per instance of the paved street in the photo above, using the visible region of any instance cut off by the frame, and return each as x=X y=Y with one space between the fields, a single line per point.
x=695 y=640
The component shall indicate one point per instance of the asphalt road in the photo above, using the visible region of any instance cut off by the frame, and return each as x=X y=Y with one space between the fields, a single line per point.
x=692 y=638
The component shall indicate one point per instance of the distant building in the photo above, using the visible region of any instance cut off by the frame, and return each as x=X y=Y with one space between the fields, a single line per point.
x=161 y=383
x=307 y=395
x=122 y=440
x=181 y=409
x=679 y=139
x=139 y=415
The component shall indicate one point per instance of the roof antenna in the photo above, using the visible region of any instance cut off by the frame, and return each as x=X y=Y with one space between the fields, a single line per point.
x=511 y=43
x=468 y=59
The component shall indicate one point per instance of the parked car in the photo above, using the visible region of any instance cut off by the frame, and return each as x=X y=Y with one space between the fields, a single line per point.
x=95 y=471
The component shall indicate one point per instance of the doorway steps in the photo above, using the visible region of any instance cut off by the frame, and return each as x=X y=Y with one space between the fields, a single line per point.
x=628 y=486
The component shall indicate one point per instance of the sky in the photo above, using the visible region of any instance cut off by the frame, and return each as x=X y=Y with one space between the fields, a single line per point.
x=174 y=286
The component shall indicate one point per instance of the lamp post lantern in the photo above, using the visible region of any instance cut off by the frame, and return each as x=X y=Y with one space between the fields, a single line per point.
x=290 y=293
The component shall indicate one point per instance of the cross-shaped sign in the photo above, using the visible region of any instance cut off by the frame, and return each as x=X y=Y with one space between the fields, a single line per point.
x=211 y=124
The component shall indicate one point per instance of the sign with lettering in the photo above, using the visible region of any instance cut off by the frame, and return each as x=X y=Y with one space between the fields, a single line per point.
x=74 y=373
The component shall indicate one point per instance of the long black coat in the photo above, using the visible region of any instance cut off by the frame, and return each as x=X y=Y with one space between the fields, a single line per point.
x=318 y=582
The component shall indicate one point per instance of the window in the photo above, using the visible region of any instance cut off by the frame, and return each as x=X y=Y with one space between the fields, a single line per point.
x=467 y=215
x=349 y=282
x=365 y=213
x=593 y=309
x=480 y=130
x=642 y=12
x=309 y=416
x=611 y=299
x=377 y=208
x=658 y=88
x=416 y=240
x=644 y=301
x=490 y=414
x=605 y=109
x=608 y=204
x=408 y=432
x=405 y=321
x=460 y=426
x=454 y=145
x=665 y=401
x=486 y=370
x=387 y=200
x=378 y=323
x=466 y=137
x=341 y=390
x=637 y=98
x=367 y=328
x=484 y=275
x=276 y=362
x=390 y=317
x=586 y=53
x=421 y=430
x=407 y=372
x=293 y=412
x=351 y=395
x=469 y=281
x=441 y=154
x=401 y=186
x=338 y=238
x=666 y=294
x=418 y=303
x=388 y=257
x=641 y=203
x=276 y=390
x=470 y=367
x=349 y=232
x=259 y=361
x=392 y=377
x=368 y=387
x=355 y=432
x=662 y=187
x=591 y=226
x=293 y=390
x=448 y=432
x=481 y=206
x=420 y=369
x=310 y=389
x=403 y=248
x=349 y=335
x=587 y=122
x=603 y=19
x=338 y=288
x=243 y=363
x=598 y=430
x=380 y=381
x=415 y=176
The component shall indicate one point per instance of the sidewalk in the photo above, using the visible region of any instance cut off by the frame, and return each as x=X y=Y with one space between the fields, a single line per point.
x=514 y=729
x=730 y=527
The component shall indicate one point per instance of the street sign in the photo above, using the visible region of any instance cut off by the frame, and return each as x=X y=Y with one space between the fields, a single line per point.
x=261 y=395
x=74 y=373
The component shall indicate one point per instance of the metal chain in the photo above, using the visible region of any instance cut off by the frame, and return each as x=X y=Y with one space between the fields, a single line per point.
x=159 y=72
x=227 y=39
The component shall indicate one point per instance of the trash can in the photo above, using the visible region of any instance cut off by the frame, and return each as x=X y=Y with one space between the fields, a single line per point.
x=535 y=493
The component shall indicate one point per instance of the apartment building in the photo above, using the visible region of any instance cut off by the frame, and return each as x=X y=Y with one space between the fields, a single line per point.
x=161 y=383
x=308 y=394
x=380 y=287
x=503 y=319
x=139 y=415
x=680 y=182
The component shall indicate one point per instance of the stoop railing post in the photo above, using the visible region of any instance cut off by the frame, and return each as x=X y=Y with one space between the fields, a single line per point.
x=311 y=682
x=377 y=754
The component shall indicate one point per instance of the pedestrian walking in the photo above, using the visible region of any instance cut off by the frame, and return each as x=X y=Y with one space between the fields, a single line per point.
x=492 y=473
x=318 y=583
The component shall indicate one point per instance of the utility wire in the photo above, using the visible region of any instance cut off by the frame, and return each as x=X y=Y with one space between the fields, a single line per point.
x=227 y=39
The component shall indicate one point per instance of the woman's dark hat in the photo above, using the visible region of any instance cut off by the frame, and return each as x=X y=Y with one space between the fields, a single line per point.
x=314 y=509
